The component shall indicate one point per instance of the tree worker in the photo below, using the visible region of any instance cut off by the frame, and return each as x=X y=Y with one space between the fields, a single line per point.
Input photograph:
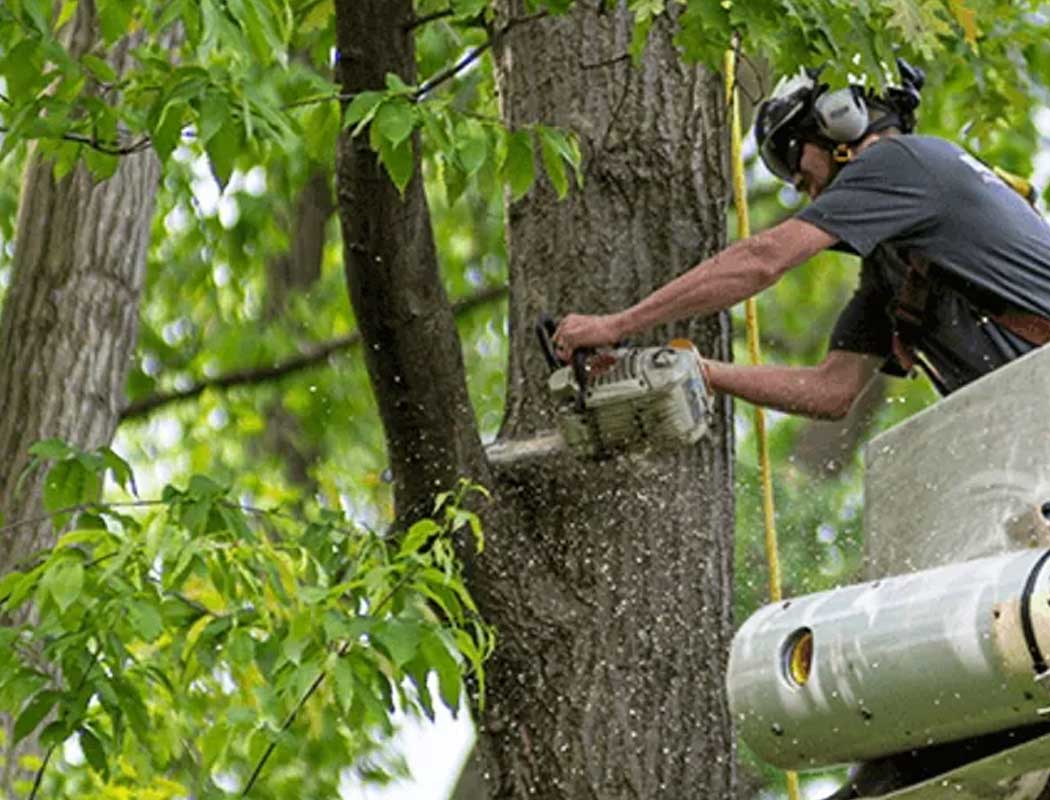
x=955 y=277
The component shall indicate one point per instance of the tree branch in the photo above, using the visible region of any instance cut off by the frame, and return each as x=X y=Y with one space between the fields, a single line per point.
x=102 y=147
x=410 y=573
x=411 y=25
x=317 y=354
x=449 y=73
x=472 y=56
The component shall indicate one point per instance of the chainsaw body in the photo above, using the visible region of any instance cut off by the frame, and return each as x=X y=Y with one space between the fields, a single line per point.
x=649 y=397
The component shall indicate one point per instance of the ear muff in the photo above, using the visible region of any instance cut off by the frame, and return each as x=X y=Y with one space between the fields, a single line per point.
x=841 y=115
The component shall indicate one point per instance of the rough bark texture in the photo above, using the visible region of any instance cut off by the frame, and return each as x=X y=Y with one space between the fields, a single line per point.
x=69 y=323
x=609 y=583
x=613 y=593
x=411 y=346
x=70 y=317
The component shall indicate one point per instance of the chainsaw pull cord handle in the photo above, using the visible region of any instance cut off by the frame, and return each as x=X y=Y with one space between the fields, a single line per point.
x=545 y=327
x=579 y=372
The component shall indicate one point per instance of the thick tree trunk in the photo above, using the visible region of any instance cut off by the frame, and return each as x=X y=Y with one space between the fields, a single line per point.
x=609 y=583
x=70 y=318
x=69 y=322
x=613 y=591
x=411 y=346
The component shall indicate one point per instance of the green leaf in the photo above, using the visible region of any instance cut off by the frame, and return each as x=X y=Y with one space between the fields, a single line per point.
x=399 y=161
x=468 y=9
x=399 y=638
x=33 y=712
x=450 y=681
x=472 y=152
x=344 y=683
x=362 y=109
x=102 y=165
x=118 y=467
x=146 y=620
x=519 y=168
x=94 y=751
x=167 y=129
x=395 y=84
x=395 y=120
x=223 y=149
x=419 y=534
x=38 y=12
x=53 y=734
x=69 y=8
x=64 y=583
x=240 y=647
x=204 y=488
x=67 y=484
x=213 y=109
x=99 y=68
x=114 y=19
x=52 y=449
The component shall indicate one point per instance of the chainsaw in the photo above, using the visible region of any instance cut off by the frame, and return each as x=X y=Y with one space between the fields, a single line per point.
x=626 y=398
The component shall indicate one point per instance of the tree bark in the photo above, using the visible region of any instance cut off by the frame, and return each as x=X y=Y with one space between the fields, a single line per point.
x=612 y=596
x=69 y=322
x=609 y=583
x=70 y=318
x=412 y=349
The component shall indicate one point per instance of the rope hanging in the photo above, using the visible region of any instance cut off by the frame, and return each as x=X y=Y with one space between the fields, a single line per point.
x=751 y=315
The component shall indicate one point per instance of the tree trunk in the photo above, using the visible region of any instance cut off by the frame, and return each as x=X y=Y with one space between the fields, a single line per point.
x=412 y=349
x=609 y=583
x=70 y=318
x=69 y=322
x=615 y=583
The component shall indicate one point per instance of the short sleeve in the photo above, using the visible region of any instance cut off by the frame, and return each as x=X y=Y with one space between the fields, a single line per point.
x=885 y=194
x=863 y=325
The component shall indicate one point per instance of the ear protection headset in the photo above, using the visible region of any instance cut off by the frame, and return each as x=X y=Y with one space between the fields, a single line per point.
x=842 y=115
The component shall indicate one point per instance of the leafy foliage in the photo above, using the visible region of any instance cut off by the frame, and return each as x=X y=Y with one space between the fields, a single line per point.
x=184 y=638
x=238 y=100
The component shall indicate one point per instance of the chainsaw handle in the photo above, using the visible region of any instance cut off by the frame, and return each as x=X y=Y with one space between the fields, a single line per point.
x=545 y=327
x=579 y=372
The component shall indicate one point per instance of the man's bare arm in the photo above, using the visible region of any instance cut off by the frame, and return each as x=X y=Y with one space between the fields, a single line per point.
x=826 y=391
x=740 y=271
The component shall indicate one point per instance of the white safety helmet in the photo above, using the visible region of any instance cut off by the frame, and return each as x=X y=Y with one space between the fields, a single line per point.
x=802 y=110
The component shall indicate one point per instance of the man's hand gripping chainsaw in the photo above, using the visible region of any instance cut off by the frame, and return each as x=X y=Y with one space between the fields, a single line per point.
x=626 y=398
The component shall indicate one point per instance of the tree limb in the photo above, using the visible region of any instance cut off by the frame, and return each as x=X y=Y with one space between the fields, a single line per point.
x=314 y=356
x=450 y=72
x=418 y=22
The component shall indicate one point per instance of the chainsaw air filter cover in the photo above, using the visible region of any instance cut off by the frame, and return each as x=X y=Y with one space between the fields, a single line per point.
x=649 y=397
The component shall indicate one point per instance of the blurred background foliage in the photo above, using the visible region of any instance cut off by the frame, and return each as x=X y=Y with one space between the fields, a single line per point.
x=230 y=295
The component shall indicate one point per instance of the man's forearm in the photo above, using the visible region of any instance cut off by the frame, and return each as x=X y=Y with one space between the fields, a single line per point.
x=719 y=282
x=796 y=390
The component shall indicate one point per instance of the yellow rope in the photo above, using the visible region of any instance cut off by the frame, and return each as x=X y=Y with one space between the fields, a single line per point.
x=751 y=313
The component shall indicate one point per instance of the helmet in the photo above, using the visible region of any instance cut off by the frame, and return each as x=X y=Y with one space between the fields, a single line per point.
x=780 y=122
x=802 y=110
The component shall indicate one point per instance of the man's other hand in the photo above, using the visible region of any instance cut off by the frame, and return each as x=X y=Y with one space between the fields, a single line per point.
x=582 y=330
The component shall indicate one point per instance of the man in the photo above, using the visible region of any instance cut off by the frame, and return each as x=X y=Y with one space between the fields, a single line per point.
x=956 y=271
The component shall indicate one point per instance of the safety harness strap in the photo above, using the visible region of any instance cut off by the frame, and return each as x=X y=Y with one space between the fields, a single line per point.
x=911 y=308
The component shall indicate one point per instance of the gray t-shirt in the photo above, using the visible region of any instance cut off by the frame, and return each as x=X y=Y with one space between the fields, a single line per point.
x=991 y=250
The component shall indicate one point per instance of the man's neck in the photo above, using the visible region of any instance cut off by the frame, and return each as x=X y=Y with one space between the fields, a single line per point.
x=871 y=138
